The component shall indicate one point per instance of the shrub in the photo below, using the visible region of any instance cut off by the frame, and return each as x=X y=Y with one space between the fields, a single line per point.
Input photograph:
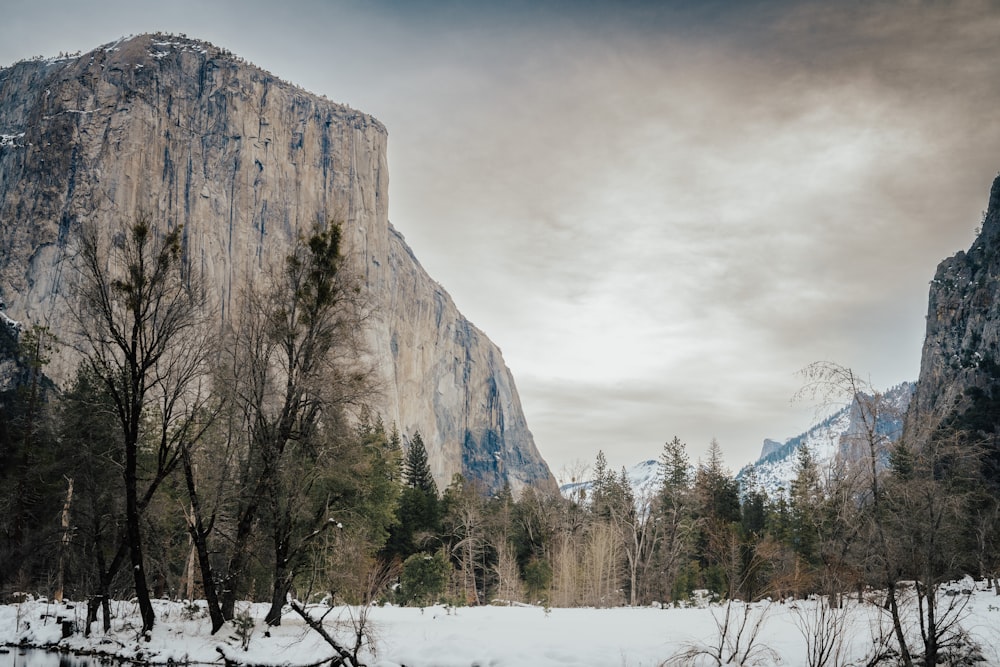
x=424 y=578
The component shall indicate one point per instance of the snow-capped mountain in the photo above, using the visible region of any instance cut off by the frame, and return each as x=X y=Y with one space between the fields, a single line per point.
x=644 y=478
x=830 y=440
x=827 y=440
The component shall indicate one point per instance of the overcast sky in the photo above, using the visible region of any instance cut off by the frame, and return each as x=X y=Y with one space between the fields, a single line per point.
x=659 y=211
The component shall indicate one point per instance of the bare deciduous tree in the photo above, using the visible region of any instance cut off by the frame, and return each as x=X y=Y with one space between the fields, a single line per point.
x=868 y=450
x=928 y=499
x=138 y=312
x=290 y=366
x=824 y=628
x=736 y=641
x=913 y=508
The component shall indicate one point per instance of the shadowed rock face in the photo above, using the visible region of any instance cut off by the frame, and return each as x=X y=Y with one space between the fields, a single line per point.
x=960 y=364
x=245 y=162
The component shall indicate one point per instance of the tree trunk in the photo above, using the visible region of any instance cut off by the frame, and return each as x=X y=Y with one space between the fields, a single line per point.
x=282 y=584
x=102 y=600
x=282 y=568
x=93 y=605
x=931 y=639
x=199 y=539
x=238 y=559
x=189 y=571
x=211 y=595
x=99 y=603
x=133 y=535
x=897 y=627
x=64 y=542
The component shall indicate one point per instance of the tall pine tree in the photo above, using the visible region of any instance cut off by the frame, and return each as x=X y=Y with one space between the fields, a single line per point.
x=418 y=518
x=416 y=469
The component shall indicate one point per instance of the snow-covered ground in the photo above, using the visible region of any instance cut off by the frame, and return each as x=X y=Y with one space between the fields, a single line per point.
x=493 y=635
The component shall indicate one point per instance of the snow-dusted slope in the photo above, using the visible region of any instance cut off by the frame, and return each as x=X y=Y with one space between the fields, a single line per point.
x=644 y=478
x=776 y=466
x=829 y=439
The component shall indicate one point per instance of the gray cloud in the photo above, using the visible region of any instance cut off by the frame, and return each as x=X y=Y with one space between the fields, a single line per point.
x=659 y=211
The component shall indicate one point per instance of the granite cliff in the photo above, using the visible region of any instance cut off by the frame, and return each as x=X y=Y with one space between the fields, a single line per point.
x=193 y=135
x=959 y=381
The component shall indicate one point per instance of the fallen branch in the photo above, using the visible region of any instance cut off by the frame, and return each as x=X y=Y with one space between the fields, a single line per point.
x=231 y=661
x=345 y=656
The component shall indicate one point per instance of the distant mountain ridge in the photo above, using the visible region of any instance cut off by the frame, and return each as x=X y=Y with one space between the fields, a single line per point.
x=828 y=440
x=644 y=477
x=775 y=468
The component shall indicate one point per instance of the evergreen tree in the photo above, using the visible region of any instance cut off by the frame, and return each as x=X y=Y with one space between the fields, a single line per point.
x=754 y=508
x=716 y=490
x=89 y=431
x=675 y=468
x=32 y=487
x=779 y=521
x=602 y=487
x=418 y=517
x=718 y=511
x=351 y=506
x=416 y=469
x=675 y=513
x=805 y=500
x=424 y=578
x=378 y=474
x=901 y=460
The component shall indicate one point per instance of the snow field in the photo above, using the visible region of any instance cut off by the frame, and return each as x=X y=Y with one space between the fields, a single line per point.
x=489 y=636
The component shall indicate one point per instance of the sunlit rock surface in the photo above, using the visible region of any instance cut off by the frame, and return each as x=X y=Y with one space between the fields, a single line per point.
x=245 y=162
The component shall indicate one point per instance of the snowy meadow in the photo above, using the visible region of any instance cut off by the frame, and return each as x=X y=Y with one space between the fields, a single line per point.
x=800 y=632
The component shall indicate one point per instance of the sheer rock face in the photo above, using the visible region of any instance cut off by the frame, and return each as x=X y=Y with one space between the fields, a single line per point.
x=960 y=363
x=245 y=162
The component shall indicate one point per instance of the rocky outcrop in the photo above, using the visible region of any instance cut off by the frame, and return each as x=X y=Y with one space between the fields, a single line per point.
x=193 y=136
x=769 y=447
x=959 y=380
